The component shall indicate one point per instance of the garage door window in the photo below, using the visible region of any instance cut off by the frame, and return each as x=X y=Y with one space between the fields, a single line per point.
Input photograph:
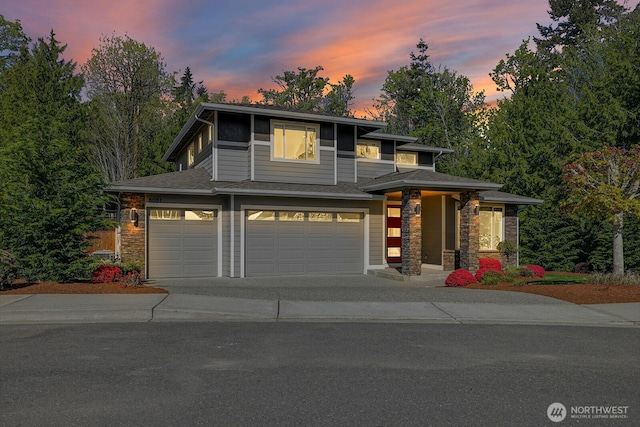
x=165 y=214
x=290 y=216
x=193 y=215
x=348 y=217
x=261 y=215
x=320 y=216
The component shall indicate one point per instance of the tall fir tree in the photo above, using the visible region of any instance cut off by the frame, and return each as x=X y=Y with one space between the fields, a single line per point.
x=49 y=195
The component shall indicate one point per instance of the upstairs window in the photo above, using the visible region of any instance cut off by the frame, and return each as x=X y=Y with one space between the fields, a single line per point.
x=191 y=154
x=368 y=150
x=295 y=142
x=406 y=158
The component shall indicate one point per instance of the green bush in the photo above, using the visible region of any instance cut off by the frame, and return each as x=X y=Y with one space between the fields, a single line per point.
x=515 y=272
x=83 y=268
x=492 y=277
x=8 y=269
x=131 y=266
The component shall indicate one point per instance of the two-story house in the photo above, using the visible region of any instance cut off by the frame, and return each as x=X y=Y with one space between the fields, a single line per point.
x=261 y=191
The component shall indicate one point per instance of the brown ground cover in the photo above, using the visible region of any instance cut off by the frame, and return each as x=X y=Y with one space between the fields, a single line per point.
x=22 y=287
x=575 y=293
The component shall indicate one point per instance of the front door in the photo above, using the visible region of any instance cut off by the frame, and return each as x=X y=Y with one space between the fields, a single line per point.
x=394 y=235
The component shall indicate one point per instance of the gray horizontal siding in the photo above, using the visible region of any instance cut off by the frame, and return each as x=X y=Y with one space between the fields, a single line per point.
x=346 y=170
x=299 y=173
x=233 y=164
x=206 y=164
x=374 y=170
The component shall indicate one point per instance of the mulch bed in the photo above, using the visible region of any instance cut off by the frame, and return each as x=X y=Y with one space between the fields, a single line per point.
x=22 y=288
x=575 y=293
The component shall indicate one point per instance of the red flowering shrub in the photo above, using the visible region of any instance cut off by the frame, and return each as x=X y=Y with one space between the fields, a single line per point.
x=106 y=274
x=490 y=264
x=537 y=270
x=460 y=277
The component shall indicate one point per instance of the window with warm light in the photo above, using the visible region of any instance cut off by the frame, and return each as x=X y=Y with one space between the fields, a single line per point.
x=490 y=227
x=295 y=142
x=368 y=150
x=406 y=158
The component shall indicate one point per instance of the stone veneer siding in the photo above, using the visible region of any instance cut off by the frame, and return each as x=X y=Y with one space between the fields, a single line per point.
x=469 y=230
x=132 y=238
x=411 y=233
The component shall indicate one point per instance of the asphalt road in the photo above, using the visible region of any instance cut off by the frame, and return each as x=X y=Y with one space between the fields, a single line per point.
x=342 y=374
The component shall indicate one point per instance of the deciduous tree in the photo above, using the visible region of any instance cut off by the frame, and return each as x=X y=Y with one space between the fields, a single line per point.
x=129 y=90
x=605 y=184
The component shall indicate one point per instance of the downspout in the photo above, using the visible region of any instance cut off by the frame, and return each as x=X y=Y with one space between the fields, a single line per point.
x=212 y=145
x=436 y=158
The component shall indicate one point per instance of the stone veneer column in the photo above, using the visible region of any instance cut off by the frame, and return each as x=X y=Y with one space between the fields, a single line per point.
x=132 y=239
x=469 y=230
x=511 y=231
x=411 y=234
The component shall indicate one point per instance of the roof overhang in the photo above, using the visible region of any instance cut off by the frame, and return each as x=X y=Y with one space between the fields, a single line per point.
x=204 y=108
x=430 y=185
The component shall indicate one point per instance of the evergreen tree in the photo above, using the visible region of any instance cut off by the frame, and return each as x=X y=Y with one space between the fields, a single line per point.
x=434 y=104
x=304 y=90
x=49 y=196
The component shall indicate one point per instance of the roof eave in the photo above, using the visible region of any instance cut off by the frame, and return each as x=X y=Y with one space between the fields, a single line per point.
x=298 y=194
x=397 y=185
x=157 y=190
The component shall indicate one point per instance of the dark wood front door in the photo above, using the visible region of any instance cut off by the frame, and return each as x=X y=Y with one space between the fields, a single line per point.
x=394 y=234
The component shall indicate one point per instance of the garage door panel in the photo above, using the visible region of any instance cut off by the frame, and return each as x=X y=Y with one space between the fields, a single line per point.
x=281 y=247
x=181 y=248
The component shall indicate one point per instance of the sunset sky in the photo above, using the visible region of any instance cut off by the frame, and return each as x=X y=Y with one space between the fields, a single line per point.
x=238 y=45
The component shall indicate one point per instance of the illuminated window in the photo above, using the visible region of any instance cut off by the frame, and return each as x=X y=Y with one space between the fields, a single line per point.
x=291 y=216
x=404 y=158
x=490 y=227
x=320 y=216
x=196 y=215
x=368 y=150
x=348 y=217
x=394 y=252
x=261 y=215
x=297 y=142
x=165 y=214
x=191 y=155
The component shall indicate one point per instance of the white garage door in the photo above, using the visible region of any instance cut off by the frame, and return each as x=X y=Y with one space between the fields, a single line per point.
x=282 y=242
x=182 y=243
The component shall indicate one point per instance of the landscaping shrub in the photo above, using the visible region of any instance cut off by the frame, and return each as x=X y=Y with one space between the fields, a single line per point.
x=614 y=279
x=493 y=277
x=106 y=274
x=490 y=264
x=481 y=272
x=518 y=272
x=460 y=277
x=537 y=270
x=8 y=269
x=131 y=266
x=131 y=279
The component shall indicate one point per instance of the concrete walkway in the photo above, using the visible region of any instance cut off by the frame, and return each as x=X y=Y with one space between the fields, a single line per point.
x=293 y=299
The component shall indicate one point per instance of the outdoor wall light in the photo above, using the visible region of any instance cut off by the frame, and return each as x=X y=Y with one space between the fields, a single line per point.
x=475 y=210
x=418 y=209
x=134 y=217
